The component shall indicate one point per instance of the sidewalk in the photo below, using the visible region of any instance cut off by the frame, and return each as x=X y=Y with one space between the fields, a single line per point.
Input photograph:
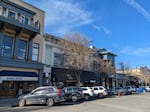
x=8 y=102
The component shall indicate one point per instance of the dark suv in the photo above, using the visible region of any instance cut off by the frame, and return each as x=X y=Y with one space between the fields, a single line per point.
x=42 y=95
x=73 y=93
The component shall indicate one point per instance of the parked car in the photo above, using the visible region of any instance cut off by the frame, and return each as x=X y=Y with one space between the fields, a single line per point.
x=140 y=90
x=73 y=93
x=99 y=91
x=131 y=89
x=42 y=95
x=147 y=88
x=88 y=92
x=118 y=90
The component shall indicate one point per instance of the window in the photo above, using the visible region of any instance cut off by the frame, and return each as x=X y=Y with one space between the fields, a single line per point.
x=0 y=10
x=105 y=57
x=22 y=49
x=95 y=88
x=69 y=89
x=7 y=46
x=35 y=52
x=38 y=92
x=58 y=59
x=12 y=14
x=4 y=13
x=11 y=86
x=27 y=20
x=22 y=19
x=48 y=56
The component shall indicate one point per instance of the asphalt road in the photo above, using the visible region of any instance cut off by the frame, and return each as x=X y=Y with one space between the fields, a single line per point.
x=130 y=103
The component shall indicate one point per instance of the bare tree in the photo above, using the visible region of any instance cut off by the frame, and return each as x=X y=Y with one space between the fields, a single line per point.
x=125 y=68
x=77 y=53
x=105 y=66
x=145 y=75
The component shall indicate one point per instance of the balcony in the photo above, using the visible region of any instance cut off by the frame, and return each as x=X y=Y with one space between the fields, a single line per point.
x=18 y=23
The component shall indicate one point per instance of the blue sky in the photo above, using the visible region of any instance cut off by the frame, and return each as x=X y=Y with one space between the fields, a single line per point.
x=120 y=26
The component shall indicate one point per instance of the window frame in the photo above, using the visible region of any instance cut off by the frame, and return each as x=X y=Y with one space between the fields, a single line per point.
x=12 y=46
x=56 y=55
x=13 y=12
x=38 y=48
x=26 y=49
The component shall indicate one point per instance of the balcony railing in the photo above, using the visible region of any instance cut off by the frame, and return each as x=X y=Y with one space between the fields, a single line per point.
x=35 y=25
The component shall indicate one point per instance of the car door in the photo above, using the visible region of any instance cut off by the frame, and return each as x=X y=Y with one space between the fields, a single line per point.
x=35 y=97
x=68 y=93
x=95 y=90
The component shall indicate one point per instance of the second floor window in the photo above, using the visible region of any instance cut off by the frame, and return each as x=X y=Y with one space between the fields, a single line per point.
x=4 y=12
x=22 y=49
x=7 y=44
x=35 y=52
x=12 y=14
x=22 y=19
x=27 y=21
x=58 y=59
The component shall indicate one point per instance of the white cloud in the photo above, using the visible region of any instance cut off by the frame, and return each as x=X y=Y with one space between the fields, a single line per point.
x=139 y=8
x=65 y=15
x=102 y=28
x=136 y=52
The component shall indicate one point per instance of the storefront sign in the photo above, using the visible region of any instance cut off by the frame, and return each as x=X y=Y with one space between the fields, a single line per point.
x=10 y=78
x=92 y=81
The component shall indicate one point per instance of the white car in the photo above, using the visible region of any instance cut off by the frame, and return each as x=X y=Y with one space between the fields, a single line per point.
x=99 y=91
x=88 y=92
x=147 y=88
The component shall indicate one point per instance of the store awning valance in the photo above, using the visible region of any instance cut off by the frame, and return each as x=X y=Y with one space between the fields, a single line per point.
x=6 y=75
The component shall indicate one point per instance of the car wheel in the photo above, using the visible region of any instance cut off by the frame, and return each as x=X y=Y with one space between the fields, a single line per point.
x=74 y=98
x=100 y=95
x=21 y=102
x=50 y=102
x=86 y=97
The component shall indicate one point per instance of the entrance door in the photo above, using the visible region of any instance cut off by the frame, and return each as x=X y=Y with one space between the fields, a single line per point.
x=19 y=88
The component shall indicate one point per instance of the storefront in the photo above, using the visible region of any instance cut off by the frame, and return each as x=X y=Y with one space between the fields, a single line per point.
x=69 y=77
x=13 y=83
x=63 y=77
x=89 y=78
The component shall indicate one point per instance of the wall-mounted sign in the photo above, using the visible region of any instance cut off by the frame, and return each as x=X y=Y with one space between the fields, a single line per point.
x=11 y=78
x=69 y=77
x=92 y=81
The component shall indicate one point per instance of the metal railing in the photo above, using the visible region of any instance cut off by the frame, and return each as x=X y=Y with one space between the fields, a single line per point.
x=22 y=21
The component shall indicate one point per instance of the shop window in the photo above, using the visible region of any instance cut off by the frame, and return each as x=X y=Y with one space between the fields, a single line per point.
x=35 y=52
x=4 y=87
x=7 y=44
x=11 y=86
x=22 y=49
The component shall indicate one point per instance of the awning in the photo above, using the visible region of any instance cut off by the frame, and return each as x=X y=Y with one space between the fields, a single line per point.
x=6 y=75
